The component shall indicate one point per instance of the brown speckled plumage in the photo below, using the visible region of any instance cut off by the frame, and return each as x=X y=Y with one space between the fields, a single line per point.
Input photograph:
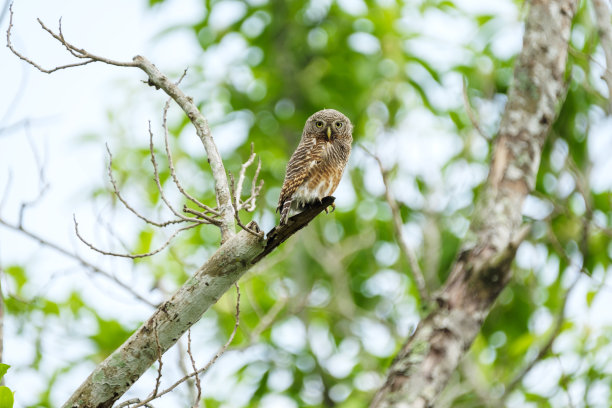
x=315 y=168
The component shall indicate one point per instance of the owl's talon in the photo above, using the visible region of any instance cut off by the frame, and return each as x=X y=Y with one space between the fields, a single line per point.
x=333 y=206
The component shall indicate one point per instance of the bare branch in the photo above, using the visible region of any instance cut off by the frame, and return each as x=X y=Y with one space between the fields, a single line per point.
x=157 y=79
x=257 y=232
x=43 y=185
x=196 y=401
x=417 y=274
x=173 y=172
x=89 y=58
x=133 y=401
x=186 y=103
x=255 y=190
x=131 y=256
x=125 y=203
x=74 y=256
x=160 y=364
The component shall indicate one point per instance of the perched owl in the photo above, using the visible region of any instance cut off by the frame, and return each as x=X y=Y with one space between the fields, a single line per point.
x=316 y=166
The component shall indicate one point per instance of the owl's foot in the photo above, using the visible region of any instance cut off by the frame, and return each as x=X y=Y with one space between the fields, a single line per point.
x=333 y=206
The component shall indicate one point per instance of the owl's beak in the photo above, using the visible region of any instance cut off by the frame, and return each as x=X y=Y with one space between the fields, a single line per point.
x=328 y=133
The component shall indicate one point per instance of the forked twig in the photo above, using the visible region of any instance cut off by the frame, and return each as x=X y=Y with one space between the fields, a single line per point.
x=126 y=204
x=256 y=231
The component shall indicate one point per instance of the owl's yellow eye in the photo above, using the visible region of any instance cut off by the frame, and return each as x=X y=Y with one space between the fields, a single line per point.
x=319 y=124
x=338 y=125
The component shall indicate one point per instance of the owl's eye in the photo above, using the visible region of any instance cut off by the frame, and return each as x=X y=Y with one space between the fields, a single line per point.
x=338 y=125
x=319 y=124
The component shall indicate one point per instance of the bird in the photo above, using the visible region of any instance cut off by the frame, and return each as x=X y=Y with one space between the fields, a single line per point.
x=315 y=168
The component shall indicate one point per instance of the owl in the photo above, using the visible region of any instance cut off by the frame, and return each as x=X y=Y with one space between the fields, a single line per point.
x=316 y=166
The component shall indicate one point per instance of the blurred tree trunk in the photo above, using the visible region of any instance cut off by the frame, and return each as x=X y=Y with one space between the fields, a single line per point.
x=426 y=362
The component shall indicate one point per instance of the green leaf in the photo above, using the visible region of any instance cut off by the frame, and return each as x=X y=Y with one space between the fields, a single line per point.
x=19 y=276
x=111 y=334
x=6 y=397
x=590 y=296
x=144 y=241
x=50 y=308
x=3 y=369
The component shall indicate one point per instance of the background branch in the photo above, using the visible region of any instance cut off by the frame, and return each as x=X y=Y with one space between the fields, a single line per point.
x=427 y=360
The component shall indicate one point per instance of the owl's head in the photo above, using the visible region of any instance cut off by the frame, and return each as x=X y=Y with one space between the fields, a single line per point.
x=330 y=125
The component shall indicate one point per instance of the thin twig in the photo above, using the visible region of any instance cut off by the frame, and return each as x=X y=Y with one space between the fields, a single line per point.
x=207 y=219
x=132 y=401
x=160 y=363
x=74 y=256
x=171 y=165
x=131 y=256
x=43 y=185
x=89 y=58
x=157 y=79
x=256 y=231
x=125 y=203
x=238 y=191
x=196 y=401
x=417 y=274
x=210 y=362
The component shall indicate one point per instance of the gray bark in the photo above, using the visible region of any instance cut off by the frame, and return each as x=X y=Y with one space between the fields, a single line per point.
x=111 y=378
x=424 y=365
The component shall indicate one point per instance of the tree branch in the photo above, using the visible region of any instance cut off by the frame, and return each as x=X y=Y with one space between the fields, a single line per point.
x=186 y=103
x=111 y=378
x=424 y=365
x=77 y=258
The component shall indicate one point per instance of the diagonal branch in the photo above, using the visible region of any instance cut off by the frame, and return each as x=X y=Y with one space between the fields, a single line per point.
x=111 y=378
x=428 y=359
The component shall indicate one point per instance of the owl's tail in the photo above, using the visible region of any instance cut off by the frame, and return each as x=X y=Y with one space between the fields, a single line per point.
x=285 y=212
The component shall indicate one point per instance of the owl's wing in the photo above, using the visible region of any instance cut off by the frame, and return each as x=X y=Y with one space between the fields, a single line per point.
x=298 y=168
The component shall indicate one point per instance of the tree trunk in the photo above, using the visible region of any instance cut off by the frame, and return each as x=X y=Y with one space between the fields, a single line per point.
x=426 y=362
